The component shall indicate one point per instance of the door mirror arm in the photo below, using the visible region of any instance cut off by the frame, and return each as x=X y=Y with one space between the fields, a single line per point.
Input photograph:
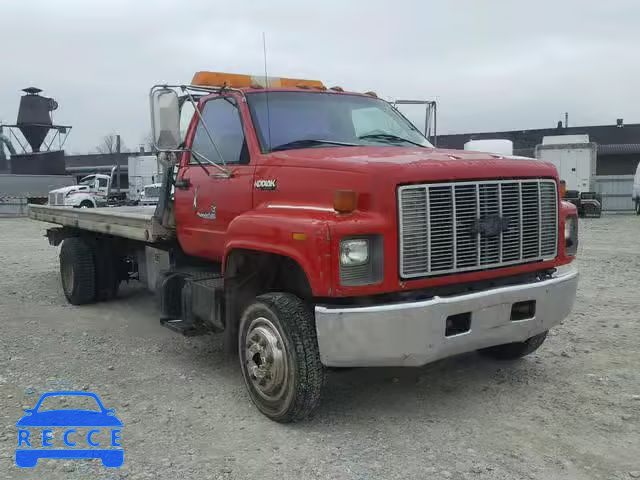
x=223 y=172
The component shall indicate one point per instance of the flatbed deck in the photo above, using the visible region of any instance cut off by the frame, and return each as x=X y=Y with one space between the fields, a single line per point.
x=135 y=223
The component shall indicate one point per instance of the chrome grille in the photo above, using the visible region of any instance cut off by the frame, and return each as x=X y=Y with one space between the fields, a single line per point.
x=152 y=191
x=52 y=199
x=60 y=199
x=441 y=232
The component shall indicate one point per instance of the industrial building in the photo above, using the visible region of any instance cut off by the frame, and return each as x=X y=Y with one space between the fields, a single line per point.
x=618 y=148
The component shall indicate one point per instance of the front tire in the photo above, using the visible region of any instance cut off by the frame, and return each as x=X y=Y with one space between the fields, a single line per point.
x=86 y=204
x=78 y=271
x=513 y=351
x=637 y=207
x=279 y=357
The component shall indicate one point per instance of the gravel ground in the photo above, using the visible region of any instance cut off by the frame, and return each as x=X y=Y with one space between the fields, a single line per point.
x=570 y=411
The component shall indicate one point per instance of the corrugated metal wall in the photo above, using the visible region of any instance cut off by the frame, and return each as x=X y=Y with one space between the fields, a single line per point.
x=616 y=192
x=12 y=207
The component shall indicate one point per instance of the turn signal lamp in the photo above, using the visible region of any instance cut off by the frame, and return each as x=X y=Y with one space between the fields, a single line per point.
x=234 y=80
x=563 y=188
x=345 y=201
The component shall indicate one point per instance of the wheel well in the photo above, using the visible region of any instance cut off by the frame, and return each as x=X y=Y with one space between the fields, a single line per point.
x=268 y=272
x=250 y=273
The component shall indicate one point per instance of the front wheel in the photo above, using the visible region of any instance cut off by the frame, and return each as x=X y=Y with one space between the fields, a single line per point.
x=279 y=357
x=513 y=351
x=637 y=207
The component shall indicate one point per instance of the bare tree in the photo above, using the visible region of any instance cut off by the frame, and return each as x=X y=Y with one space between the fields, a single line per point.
x=148 y=143
x=109 y=144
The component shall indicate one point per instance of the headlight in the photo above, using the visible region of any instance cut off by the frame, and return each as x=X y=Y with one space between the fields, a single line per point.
x=571 y=235
x=354 y=252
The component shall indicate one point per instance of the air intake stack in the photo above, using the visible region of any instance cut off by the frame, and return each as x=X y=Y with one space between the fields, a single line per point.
x=35 y=124
x=34 y=117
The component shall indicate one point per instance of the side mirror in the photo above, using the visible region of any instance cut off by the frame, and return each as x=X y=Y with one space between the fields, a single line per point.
x=165 y=118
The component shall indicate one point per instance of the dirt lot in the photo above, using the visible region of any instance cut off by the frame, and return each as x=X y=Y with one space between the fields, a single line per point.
x=571 y=411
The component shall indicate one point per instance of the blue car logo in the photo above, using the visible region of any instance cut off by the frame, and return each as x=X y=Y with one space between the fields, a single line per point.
x=80 y=428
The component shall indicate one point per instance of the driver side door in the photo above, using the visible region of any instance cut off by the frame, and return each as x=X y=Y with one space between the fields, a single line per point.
x=209 y=200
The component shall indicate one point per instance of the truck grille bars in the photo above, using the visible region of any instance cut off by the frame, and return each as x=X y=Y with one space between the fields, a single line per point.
x=56 y=199
x=447 y=228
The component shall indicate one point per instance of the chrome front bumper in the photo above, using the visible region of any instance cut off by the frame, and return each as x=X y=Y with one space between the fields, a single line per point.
x=413 y=333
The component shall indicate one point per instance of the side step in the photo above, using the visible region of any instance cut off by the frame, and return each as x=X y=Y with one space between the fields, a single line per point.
x=191 y=302
x=185 y=328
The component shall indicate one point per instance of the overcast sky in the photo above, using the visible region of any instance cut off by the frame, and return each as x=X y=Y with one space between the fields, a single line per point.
x=491 y=65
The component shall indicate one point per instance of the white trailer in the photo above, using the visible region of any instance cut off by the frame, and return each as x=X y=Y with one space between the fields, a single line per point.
x=143 y=170
x=575 y=158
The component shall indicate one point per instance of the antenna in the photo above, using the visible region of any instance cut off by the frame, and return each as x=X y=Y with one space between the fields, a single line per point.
x=266 y=86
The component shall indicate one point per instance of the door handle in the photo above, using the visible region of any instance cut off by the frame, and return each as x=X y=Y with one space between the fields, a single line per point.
x=183 y=183
x=195 y=200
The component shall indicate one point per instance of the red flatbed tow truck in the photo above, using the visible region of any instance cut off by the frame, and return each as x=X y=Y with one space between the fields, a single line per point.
x=319 y=228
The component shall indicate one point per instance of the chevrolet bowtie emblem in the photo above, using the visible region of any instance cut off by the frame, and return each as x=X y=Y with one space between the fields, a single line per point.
x=490 y=226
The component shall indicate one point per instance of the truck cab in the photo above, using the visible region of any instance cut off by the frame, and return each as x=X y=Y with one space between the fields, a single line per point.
x=319 y=228
x=91 y=191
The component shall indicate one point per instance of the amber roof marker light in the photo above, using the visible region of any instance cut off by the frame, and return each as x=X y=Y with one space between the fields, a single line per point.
x=236 y=80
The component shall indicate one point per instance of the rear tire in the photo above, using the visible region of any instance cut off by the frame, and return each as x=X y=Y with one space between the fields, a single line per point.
x=513 y=351
x=78 y=271
x=279 y=357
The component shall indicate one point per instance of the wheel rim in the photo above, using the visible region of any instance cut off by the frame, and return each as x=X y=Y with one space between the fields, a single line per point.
x=67 y=277
x=265 y=359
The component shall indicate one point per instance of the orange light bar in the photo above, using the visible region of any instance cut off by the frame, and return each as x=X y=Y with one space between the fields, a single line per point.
x=345 y=201
x=219 y=79
x=234 y=80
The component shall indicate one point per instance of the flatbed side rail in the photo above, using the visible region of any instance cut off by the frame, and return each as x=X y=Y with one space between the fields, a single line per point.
x=135 y=223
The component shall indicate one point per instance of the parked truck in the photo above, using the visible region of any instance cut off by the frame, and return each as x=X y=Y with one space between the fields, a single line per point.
x=575 y=158
x=319 y=228
x=90 y=192
x=100 y=190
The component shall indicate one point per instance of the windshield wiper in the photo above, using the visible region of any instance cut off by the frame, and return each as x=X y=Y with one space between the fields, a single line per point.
x=390 y=138
x=310 y=142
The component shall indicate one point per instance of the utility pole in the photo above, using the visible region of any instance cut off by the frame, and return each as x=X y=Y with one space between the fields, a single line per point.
x=566 y=119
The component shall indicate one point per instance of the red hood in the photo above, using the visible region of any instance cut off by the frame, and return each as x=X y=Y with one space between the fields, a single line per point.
x=407 y=165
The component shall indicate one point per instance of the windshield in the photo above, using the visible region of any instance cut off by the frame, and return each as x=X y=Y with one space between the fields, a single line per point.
x=319 y=119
